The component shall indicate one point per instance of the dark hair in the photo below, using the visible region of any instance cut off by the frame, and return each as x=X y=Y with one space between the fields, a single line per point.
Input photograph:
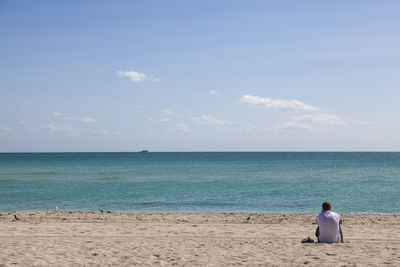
x=326 y=206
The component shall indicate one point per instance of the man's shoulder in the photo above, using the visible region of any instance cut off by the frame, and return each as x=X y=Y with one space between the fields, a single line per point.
x=334 y=214
x=320 y=216
x=328 y=214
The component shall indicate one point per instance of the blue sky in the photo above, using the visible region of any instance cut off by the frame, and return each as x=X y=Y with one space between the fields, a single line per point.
x=199 y=75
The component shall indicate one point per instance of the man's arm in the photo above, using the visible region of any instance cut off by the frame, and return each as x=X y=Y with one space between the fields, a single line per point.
x=341 y=234
x=340 y=230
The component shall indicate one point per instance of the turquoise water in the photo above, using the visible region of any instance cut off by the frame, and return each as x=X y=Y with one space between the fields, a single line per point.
x=273 y=182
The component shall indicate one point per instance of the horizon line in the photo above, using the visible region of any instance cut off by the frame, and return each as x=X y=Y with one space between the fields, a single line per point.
x=208 y=151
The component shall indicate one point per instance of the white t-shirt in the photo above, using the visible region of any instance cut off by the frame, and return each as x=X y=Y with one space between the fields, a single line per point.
x=328 y=222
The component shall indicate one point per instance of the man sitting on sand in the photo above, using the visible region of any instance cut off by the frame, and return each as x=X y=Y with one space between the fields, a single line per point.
x=329 y=230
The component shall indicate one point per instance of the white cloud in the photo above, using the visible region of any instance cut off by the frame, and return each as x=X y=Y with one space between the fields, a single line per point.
x=321 y=118
x=108 y=133
x=207 y=119
x=315 y=121
x=213 y=92
x=290 y=125
x=27 y=129
x=59 y=128
x=295 y=125
x=248 y=128
x=276 y=103
x=137 y=77
x=167 y=112
x=82 y=119
x=116 y=104
x=164 y=120
x=181 y=128
x=152 y=119
x=359 y=122
x=5 y=130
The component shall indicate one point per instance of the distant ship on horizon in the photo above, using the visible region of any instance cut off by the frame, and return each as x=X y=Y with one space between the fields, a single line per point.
x=143 y=151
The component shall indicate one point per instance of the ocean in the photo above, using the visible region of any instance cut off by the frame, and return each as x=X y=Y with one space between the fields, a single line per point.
x=266 y=182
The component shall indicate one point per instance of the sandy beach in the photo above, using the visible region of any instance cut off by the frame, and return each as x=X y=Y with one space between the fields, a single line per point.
x=192 y=239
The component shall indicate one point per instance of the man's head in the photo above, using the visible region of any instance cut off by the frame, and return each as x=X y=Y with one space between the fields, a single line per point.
x=326 y=206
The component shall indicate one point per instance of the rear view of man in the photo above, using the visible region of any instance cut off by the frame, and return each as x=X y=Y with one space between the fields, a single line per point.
x=329 y=230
